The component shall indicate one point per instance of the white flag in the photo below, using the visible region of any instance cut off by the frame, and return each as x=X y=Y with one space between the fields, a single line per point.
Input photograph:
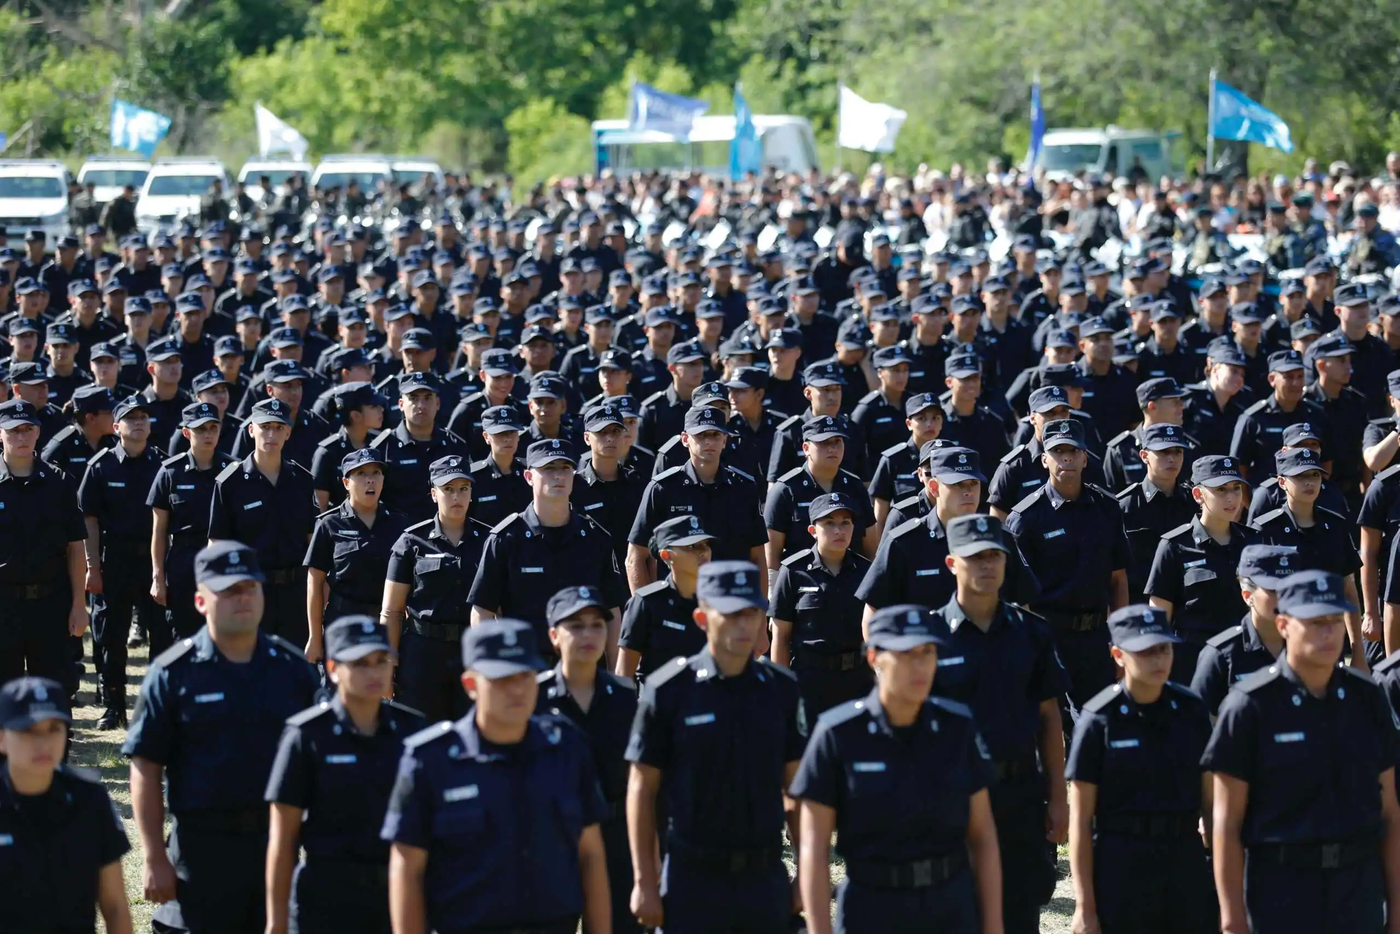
x=866 y=125
x=274 y=135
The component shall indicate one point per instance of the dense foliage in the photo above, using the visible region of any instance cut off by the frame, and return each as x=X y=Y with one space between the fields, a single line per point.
x=511 y=86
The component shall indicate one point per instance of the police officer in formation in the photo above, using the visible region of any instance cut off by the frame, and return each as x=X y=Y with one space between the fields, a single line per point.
x=329 y=788
x=658 y=623
x=1236 y=653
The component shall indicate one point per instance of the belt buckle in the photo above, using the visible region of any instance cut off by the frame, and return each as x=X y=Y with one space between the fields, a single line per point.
x=922 y=873
x=1332 y=856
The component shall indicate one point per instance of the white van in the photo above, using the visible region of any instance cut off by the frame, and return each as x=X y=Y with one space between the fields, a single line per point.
x=173 y=190
x=788 y=143
x=34 y=196
x=277 y=171
x=110 y=174
x=1110 y=152
x=336 y=171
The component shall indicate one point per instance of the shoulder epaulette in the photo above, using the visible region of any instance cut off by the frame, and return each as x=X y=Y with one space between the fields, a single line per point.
x=952 y=706
x=1182 y=690
x=227 y=472
x=652 y=398
x=1388 y=472
x=425 y=736
x=796 y=557
x=309 y=714
x=1184 y=527
x=328 y=512
x=1386 y=664
x=172 y=461
x=1122 y=435
x=1030 y=498
x=905 y=527
x=870 y=396
x=669 y=444
x=790 y=420
x=329 y=440
x=478 y=525
x=381 y=439
x=1221 y=638
x=404 y=709
x=1258 y=679
x=647 y=590
x=842 y=713
x=287 y=647
x=1269 y=516
x=894 y=449
x=792 y=474
x=174 y=653
x=742 y=473
x=1012 y=454
x=667 y=671
x=909 y=502
x=668 y=472
x=425 y=524
x=505 y=523
x=1351 y=672
x=1104 y=698
x=1258 y=406
x=769 y=665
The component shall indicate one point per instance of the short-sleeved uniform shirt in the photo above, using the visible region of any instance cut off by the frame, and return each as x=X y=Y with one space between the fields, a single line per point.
x=500 y=824
x=610 y=503
x=185 y=492
x=214 y=724
x=495 y=493
x=727 y=509
x=659 y=624
x=1144 y=758
x=1198 y=576
x=52 y=847
x=341 y=778
x=1073 y=546
x=325 y=465
x=354 y=556
x=276 y=520
x=1229 y=657
x=1312 y=763
x=1148 y=514
x=1259 y=434
x=900 y=793
x=439 y=572
x=607 y=723
x=897 y=474
x=39 y=517
x=786 y=509
x=1325 y=546
x=114 y=492
x=823 y=607
x=406 y=481
x=722 y=745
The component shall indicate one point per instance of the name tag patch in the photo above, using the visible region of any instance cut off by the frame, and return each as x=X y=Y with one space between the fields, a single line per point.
x=1123 y=744
x=954 y=660
x=867 y=766
x=486 y=499
x=462 y=793
x=700 y=719
x=410 y=460
x=116 y=483
x=532 y=570
x=6 y=839
x=593 y=506
x=927 y=572
x=672 y=624
x=1055 y=534
x=341 y=760
x=209 y=698
x=184 y=486
x=1290 y=737
x=1193 y=564
x=253 y=505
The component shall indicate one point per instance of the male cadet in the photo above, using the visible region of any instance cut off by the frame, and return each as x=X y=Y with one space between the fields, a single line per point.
x=1382 y=439
x=42 y=564
x=603 y=706
x=1371 y=356
x=823 y=388
x=896 y=476
x=1071 y=534
x=663 y=413
x=605 y=489
x=498 y=375
x=208 y=720
x=269 y=502
x=410 y=449
x=1331 y=355
x=29 y=383
x=1160 y=402
x=658 y=623
x=1001 y=661
x=879 y=416
x=164 y=398
x=548 y=545
x=1163 y=355
x=1021 y=471
x=1259 y=432
x=753 y=425
x=580 y=366
x=785 y=510
x=725 y=502
x=965 y=420
x=1156 y=504
x=816 y=613
x=1269 y=496
x=1307 y=825
x=1238 y=652
x=493 y=823
x=719 y=735
x=64 y=374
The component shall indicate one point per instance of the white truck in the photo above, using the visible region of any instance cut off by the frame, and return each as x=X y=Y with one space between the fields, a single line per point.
x=173 y=191
x=108 y=175
x=34 y=196
x=788 y=143
x=1111 y=151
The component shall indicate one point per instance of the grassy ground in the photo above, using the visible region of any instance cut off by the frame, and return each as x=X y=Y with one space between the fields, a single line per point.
x=101 y=751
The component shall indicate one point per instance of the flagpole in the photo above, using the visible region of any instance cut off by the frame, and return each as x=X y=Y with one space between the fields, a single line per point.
x=1210 y=125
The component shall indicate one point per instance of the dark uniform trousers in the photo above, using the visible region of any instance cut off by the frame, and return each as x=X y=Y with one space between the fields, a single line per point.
x=34 y=633
x=948 y=907
x=701 y=897
x=1027 y=858
x=1154 y=884
x=126 y=582
x=284 y=605
x=226 y=900
x=430 y=671
x=347 y=896
x=1347 y=899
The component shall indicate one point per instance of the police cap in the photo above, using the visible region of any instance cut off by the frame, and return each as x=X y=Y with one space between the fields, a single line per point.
x=17 y=412
x=1310 y=594
x=221 y=565
x=1162 y=438
x=1216 y=470
x=355 y=636
x=363 y=457
x=571 y=601
x=826 y=427
x=198 y=413
x=1267 y=565
x=974 y=534
x=1139 y=627
x=551 y=451
x=730 y=586
x=499 y=648
x=700 y=419
x=25 y=702
x=951 y=463
x=902 y=627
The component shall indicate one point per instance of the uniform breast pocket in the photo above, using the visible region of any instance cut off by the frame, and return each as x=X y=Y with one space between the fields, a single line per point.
x=1125 y=760
x=568 y=811
x=426 y=567
x=869 y=784
x=176 y=500
x=1201 y=584
x=460 y=824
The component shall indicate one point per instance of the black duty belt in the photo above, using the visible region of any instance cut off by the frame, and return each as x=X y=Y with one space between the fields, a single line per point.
x=1077 y=622
x=447 y=632
x=351 y=871
x=1314 y=855
x=30 y=591
x=237 y=820
x=724 y=860
x=1150 y=824
x=850 y=661
x=918 y=874
x=1011 y=769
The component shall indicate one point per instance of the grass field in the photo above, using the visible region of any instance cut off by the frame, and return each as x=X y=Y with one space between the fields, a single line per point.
x=101 y=751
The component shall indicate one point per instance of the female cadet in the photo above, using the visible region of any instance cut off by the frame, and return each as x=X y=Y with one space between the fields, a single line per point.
x=113 y=499
x=62 y=842
x=179 y=500
x=329 y=788
x=1193 y=576
x=349 y=551
x=902 y=777
x=92 y=431
x=431 y=569
x=1137 y=793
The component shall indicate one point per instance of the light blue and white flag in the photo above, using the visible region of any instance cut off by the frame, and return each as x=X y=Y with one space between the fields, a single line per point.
x=1240 y=118
x=136 y=128
x=650 y=109
x=745 y=152
x=1037 y=127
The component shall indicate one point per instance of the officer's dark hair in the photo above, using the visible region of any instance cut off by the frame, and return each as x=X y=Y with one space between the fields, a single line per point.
x=80 y=419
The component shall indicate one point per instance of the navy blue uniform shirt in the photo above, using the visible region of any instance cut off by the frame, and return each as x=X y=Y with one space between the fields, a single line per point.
x=274 y=520
x=1073 y=546
x=659 y=624
x=786 y=509
x=727 y=509
x=822 y=607
x=439 y=573
x=354 y=556
x=185 y=492
x=607 y=723
x=1228 y=657
x=39 y=517
x=406 y=482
